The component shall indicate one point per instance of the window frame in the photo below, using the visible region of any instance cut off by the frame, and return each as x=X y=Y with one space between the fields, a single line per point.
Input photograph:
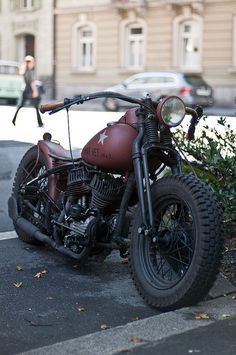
x=234 y=43
x=126 y=26
x=177 y=38
x=78 y=43
x=25 y=5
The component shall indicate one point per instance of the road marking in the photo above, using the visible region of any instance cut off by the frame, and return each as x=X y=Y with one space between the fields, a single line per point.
x=8 y=235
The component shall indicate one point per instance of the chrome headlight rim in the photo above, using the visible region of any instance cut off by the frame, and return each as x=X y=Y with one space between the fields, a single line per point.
x=168 y=108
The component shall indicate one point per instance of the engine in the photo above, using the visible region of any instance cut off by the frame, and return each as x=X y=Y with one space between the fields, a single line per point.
x=102 y=189
x=91 y=215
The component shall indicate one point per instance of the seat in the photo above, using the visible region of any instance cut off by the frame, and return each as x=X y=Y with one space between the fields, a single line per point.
x=56 y=151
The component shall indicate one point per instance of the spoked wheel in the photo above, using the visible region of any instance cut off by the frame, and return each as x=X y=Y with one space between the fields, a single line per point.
x=31 y=200
x=172 y=251
x=178 y=264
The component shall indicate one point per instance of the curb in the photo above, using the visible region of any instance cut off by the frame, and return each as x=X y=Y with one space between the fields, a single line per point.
x=149 y=330
x=8 y=235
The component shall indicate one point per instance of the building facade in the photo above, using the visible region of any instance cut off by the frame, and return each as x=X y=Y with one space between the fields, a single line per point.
x=26 y=27
x=87 y=45
x=101 y=42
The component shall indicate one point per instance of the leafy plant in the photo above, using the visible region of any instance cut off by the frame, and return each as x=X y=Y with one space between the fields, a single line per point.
x=213 y=156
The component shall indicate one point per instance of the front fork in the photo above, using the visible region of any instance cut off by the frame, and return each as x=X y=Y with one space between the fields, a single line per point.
x=141 y=170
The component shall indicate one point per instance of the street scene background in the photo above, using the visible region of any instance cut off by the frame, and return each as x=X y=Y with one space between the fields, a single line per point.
x=49 y=304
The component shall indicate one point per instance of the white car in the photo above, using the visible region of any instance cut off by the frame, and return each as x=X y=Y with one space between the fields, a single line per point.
x=11 y=82
x=191 y=88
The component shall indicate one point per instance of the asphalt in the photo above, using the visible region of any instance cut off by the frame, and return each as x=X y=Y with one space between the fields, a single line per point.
x=207 y=328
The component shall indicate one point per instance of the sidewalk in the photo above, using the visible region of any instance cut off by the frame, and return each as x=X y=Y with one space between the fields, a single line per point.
x=208 y=328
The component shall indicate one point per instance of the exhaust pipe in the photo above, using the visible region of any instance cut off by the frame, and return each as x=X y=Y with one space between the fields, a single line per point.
x=34 y=232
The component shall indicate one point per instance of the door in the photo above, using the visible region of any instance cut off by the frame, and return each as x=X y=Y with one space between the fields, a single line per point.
x=25 y=46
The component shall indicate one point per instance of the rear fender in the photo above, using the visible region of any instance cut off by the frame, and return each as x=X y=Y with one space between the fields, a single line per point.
x=47 y=147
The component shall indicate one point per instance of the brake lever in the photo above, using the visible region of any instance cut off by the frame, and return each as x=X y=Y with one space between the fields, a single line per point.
x=196 y=116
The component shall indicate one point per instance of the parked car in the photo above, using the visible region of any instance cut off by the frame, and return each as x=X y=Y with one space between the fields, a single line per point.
x=192 y=88
x=11 y=82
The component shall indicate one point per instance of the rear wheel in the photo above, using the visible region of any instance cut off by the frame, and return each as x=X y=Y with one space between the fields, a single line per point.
x=178 y=265
x=31 y=204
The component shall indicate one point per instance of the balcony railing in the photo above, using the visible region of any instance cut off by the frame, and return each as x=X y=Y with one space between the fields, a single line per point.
x=125 y=4
x=122 y=4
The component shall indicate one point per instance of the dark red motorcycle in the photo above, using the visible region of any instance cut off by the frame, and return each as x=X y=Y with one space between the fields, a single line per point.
x=127 y=191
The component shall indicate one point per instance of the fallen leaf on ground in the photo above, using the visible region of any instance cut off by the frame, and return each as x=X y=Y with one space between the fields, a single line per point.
x=41 y=274
x=125 y=261
x=76 y=266
x=136 y=340
x=17 y=284
x=126 y=350
x=201 y=316
x=226 y=315
x=19 y=268
x=81 y=309
x=104 y=326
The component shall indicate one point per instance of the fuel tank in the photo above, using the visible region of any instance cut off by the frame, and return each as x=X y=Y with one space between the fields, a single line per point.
x=111 y=148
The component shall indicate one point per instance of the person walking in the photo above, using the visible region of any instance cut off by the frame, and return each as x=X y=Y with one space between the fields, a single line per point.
x=31 y=91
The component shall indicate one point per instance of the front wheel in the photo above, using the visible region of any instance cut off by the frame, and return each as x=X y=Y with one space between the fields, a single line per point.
x=178 y=264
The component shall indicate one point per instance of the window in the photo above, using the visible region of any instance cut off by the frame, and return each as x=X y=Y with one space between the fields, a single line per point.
x=188 y=43
x=137 y=81
x=133 y=44
x=234 y=42
x=9 y=69
x=25 y=4
x=85 y=48
x=194 y=80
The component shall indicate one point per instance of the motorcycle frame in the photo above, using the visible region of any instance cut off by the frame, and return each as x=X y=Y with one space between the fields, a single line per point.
x=141 y=148
x=138 y=180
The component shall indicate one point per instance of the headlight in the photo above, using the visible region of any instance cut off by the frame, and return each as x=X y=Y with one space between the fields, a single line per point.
x=171 y=111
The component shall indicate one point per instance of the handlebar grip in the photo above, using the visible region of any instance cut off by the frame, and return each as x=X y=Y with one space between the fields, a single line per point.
x=196 y=115
x=191 y=131
x=51 y=106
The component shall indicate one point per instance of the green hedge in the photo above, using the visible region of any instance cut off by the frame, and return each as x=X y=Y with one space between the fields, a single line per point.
x=213 y=155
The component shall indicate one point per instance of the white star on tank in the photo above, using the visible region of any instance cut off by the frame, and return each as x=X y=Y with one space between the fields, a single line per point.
x=102 y=137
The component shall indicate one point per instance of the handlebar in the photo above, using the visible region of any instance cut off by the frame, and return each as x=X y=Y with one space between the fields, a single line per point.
x=56 y=106
x=66 y=103
x=51 y=106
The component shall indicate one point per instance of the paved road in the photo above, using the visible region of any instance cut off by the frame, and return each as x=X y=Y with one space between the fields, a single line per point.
x=68 y=302
x=11 y=153
x=73 y=302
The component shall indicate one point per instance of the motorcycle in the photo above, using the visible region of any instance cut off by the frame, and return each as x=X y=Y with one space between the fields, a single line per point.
x=127 y=191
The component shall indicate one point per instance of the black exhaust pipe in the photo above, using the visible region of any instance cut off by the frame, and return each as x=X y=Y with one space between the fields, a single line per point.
x=34 y=231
